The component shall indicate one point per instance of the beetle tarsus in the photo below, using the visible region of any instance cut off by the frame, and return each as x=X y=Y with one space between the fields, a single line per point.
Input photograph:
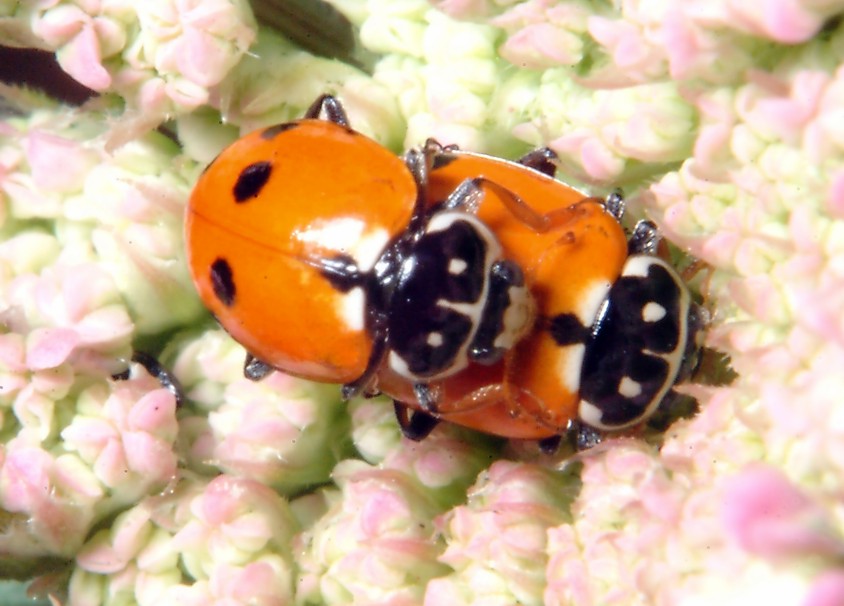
x=582 y=436
x=415 y=424
x=615 y=205
x=644 y=240
x=255 y=369
x=426 y=397
x=167 y=380
x=332 y=107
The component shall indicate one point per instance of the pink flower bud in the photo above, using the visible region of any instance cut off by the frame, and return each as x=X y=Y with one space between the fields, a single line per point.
x=769 y=516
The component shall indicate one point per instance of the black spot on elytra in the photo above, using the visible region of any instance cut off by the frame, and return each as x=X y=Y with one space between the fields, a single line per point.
x=270 y=133
x=566 y=329
x=222 y=281
x=251 y=180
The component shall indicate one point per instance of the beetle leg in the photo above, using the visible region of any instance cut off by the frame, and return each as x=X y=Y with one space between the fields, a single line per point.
x=542 y=160
x=415 y=424
x=419 y=163
x=379 y=350
x=645 y=239
x=551 y=444
x=673 y=406
x=255 y=369
x=433 y=147
x=693 y=269
x=426 y=396
x=332 y=107
x=468 y=195
x=583 y=436
x=157 y=370
x=615 y=205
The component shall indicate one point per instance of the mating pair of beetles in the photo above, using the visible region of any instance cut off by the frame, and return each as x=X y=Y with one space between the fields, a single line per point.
x=468 y=288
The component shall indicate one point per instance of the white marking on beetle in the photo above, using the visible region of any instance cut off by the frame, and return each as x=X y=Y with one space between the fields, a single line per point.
x=629 y=388
x=639 y=265
x=653 y=312
x=399 y=366
x=457 y=266
x=591 y=415
x=369 y=248
x=445 y=219
x=593 y=297
x=518 y=317
x=351 y=308
x=348 y=236
x=470 y=310
x=569 y=364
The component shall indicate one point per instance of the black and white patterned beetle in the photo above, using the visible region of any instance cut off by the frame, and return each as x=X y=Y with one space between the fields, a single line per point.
x=454 y=300
x=645 y=339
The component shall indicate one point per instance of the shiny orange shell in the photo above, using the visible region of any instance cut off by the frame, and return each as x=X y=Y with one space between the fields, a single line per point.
x=266 y=212
x=569 y=267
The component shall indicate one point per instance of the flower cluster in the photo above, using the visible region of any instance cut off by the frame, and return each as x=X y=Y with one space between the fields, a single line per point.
x=374 y=543
x=79 y=445
x=267 y=431
x=497 y=543
x=162 y=58
x=223 y=540
x=723 y=120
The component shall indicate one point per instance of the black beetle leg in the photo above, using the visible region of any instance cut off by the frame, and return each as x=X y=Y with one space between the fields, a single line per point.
x=419 y=164
x=645 y=239
x=415 y=424
x=157 y=370
x=434 y=148
x=426 y=396
x=255 y=369
x=615 y=204
x=468 y=195
x=551 y=444
x=332 y=107
x=541 y=159
x=583 y=436
x=379 y=350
